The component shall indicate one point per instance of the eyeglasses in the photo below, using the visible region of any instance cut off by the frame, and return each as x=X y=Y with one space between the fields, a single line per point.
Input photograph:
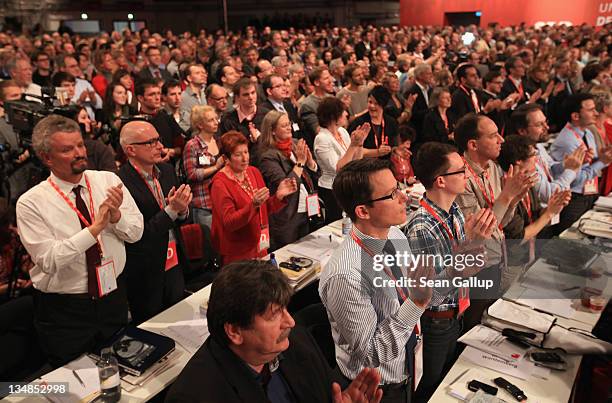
x=150 y=143
x=461 y=171
x=217 y=99
x=394 y=195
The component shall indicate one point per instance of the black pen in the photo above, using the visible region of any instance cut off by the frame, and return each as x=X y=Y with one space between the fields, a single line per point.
x=78 y=378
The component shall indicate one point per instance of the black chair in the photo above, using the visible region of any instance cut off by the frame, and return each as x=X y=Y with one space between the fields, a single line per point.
x=314 y=319
x=203 y=260
x=20 y=353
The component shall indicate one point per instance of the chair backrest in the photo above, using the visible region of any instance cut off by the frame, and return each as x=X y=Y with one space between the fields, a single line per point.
x=314 y=319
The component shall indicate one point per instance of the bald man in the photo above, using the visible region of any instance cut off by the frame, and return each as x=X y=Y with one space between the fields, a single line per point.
x=154 y=264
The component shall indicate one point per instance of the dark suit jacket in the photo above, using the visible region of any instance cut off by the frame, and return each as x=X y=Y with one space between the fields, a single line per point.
x=434 y=128
x=146 y=259
x=556 y=110
x=501 y=118
x=419 y=110
x=461 y=103
x=229 y=121
x=361 y=50
x=391 y=130
x=215 y=374
x=285 y=223
x=508 y=88
x=291 y=112
x=146 y=74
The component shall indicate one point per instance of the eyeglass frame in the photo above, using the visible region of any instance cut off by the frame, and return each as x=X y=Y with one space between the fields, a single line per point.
x=397 y=191
x=150 y=143
x=460 y=171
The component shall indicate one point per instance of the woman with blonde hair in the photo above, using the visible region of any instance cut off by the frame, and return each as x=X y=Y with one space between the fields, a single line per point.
x=201 y=160
x=282 y=157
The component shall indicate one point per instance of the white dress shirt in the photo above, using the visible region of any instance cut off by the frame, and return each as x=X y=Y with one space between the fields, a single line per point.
x=51 y=232
x=328 y=151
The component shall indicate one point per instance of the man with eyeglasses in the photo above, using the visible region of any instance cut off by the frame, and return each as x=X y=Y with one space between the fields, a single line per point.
x=580 y=113
x=529 y=121
x=438 y=227
x=277 y=98
x=375 y=323
x=478 y=138
x=42 y=74
x=490 y=94
x=154 y=264
x=216 y=96
x=514 y=82
x=74 y=226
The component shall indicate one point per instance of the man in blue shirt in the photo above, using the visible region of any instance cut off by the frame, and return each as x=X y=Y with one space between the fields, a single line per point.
x=529 y=121
x=580 y=112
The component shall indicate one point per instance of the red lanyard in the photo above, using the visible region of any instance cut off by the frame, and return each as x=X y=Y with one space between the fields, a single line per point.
x=580 y=138
x=383 y=138
x=157 y=193
x=71 y=204
x=435 y=215
x=527 y=204
x=491 y=199
x=399 y=290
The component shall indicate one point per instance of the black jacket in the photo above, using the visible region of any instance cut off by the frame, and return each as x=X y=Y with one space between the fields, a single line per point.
x=461 y=103
x=291 y=112
x=146 y=259
x=434 y=128
x=216 y=374
x=391 y=131
x=419 y=109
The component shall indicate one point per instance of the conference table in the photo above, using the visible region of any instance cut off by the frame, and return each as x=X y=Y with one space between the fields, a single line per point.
x=533 y=289
x=190 y=309
x=556 y=387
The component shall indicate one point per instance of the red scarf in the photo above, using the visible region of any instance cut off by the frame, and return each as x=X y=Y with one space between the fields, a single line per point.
x=285 y=146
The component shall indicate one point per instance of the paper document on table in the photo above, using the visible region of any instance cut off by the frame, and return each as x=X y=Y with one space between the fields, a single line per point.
x=491 y=341
x=189 y=334
x=521 y=369
x=87 y=370
x=316 y=246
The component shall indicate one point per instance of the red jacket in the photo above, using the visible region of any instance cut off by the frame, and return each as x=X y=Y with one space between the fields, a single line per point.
x=236 y=223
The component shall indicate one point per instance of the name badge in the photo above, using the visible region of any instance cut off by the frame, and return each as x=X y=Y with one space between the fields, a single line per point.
x=555 y=219
x=418 y=362
x=264 y=239
x=106 y=276
x=203 y=160
x=591 y=187
x=312 y=205
x=464 y=299
x=171 y=256
x=295 y=127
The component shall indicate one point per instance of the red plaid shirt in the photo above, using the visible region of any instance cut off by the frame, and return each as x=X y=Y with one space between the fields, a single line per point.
x=194 y=151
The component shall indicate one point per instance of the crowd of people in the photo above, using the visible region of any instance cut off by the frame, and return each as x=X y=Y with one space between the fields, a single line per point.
x=261 y=137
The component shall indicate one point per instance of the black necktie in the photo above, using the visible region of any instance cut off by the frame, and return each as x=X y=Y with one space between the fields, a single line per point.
x=93 y=255
x=389 y=249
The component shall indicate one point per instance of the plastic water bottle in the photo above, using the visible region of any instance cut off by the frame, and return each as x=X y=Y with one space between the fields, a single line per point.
x=273 y=261
x=347 y=225
x=110 y=383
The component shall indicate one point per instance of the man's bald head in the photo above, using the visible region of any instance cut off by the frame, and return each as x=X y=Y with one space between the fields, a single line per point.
x=135 y=131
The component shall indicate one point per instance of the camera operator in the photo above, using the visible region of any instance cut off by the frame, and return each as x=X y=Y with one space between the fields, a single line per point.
x=15 y=163
x=100 y=156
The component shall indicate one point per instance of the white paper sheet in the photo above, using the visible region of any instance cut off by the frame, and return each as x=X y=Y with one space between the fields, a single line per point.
x=189 y=334
x=88 y=372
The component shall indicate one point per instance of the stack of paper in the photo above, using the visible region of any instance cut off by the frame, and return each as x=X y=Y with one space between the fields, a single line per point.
x=132 y=382
x=189 y=334
x=604 y=203
x=316 y=246
x=597 y=223
x=84 y=390
x=491 y=341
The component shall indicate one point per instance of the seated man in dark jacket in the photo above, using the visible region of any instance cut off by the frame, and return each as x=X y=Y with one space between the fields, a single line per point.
x=252 y=354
